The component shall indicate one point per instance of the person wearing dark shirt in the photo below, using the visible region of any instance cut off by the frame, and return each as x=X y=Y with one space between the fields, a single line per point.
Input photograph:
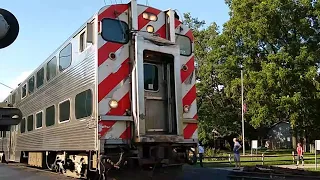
x=236 y=152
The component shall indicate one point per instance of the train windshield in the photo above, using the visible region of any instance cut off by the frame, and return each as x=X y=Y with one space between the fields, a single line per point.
x=115 y=30
x=185 y=45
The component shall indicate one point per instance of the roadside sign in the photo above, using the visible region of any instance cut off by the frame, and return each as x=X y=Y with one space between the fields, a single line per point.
x=254 y=144
x=316 y=148
x=317 y=145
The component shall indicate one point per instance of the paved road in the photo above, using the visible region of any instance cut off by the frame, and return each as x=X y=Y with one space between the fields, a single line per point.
x=191 y=173
x=15 y=172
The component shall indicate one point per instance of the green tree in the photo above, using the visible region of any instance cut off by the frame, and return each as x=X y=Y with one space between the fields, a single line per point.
x=277 y=44
x=216 y=111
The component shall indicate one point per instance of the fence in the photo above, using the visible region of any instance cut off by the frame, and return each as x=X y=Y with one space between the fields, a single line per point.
x=260 y=158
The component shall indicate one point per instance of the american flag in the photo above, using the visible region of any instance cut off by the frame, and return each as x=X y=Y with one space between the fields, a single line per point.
x=244 y=108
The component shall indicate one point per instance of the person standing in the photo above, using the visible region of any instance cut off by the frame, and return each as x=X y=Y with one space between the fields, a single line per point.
x=201 y=151
x=300 y=154
x=236 y=152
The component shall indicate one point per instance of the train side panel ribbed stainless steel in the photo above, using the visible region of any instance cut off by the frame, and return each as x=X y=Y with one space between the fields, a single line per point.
x=74 y=135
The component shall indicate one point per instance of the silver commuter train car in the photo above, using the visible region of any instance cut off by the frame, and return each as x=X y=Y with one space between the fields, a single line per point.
x=123 y=85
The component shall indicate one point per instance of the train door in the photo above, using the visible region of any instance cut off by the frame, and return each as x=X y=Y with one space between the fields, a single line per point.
x=159 y=93
x=12 y=142
x=156 y=89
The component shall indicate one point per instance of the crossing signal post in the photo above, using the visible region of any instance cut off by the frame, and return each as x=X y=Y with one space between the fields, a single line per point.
x=9 y=28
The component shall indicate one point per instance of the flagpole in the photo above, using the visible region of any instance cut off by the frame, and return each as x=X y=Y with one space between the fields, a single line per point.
x=242 y=113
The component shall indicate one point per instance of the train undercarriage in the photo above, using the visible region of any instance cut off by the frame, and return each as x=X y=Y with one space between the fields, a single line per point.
x=115 y=159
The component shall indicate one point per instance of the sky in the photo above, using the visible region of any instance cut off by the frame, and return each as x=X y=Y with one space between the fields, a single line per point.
x=45 y=25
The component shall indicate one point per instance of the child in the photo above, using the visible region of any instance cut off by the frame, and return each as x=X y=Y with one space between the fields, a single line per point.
x=300 y=154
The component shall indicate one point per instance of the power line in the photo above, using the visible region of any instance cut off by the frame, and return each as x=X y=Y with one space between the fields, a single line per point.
x=6 y=85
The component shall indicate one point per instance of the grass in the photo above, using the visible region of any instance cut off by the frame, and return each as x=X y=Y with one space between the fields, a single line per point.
x=312 y=169
x=283 y=157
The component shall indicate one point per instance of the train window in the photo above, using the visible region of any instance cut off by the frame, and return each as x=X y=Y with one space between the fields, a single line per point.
x=52 y=68
x=151 y=78
x=31 y=85
x=39 y=120
x=83 y=104
x=40 y=77
x=23 y=125
x=82 y=41
x=65 y=57
x=114 y=30
x=30 y=123
x=50 y=116
x=13 y=98
x=64 y=111
x=185 y=45
x=4 y=134
x=24 y=90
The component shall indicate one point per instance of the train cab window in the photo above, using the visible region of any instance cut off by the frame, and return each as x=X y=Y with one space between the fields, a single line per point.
x=52 y=68
x=114 y=30
x=64 y=111
x=50 y=116
x=40 y=78
x=185 y=45
x=65 y=57
x=31 y=85
x=23 y=125
x=83 y=104
x=24 y=91
x=30 y=123
x=39 y=120
x=151 y=78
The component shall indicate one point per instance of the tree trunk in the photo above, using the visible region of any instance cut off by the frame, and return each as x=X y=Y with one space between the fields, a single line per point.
x=294 y=142
x=305 y=143
x=294 y=137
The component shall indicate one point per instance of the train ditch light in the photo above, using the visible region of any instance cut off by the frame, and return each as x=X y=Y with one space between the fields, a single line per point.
x=9 y=28
x=9 y=116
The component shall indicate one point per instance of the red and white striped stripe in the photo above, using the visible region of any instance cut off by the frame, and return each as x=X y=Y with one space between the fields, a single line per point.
x=159 y=25
x=114 y=130
x=113 y=74
x=189 y=94
x=113 y=83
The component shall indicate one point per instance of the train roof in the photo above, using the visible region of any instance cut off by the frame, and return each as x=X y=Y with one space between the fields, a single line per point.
x=54 y=53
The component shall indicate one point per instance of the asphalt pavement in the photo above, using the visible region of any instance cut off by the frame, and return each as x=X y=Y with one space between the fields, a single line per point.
x=17 y=172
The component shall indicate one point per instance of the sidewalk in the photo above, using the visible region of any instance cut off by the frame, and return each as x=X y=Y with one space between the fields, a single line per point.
x=293 y=166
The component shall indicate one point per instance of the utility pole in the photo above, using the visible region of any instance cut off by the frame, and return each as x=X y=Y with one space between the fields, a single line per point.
x=242 y=112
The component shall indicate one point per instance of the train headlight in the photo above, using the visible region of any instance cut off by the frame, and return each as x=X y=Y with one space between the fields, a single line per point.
x=150 y=16
x=150 y=29
x=113 y=104
x=153 y=17
x=186 y=108
x=145 y=15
